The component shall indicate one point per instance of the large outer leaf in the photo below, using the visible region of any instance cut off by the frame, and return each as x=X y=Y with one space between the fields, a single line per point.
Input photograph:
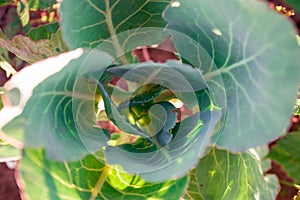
x=52 y=105
x=259 y=68
x=87 y=179
x=87 y=23
x=287 y=153
x=222 y=175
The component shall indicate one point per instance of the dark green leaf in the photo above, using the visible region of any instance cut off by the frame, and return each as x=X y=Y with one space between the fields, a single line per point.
x=222 y=175
x=40 y=4
x=286 y=152
x=294 y=4
x=257 y=69
x=4 y=2
x=164 y=136
x=57 y=109
x=88 y=178
x=43 y=32
x=23 y=12
x=116 y=27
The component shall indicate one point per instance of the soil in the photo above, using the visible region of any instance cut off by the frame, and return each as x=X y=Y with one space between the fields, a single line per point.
x=8 y=187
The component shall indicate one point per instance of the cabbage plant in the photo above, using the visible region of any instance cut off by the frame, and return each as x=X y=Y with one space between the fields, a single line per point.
x=152 y=99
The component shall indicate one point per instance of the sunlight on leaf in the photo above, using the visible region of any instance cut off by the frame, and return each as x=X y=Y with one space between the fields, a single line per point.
x=88 y=178
x=23 y=12
x=8 y=152
x=22 y=119
x=259 y=84
x=7 y=68
x=222 y=175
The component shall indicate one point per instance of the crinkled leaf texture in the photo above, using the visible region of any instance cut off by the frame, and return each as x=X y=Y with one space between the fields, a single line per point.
x=259 y=68
x=32 y=51
x=87 y=178
x=8 y=152
x=223 y=175
x=52 y=105
x=286 y=152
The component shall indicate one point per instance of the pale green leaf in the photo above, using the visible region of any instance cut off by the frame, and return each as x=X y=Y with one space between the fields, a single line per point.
x=298 y=39
x=192 y=192
x=52 y=105
x=88 y=178
x=23 y=12
x=222 y=175
x=8 y=152
x=6 y=66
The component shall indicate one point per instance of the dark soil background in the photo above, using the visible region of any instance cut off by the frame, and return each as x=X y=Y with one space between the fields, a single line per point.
x=8 y=186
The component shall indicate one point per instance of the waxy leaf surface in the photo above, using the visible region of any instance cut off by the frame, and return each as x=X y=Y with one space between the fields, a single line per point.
x=259 y=69
x=88 y=178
